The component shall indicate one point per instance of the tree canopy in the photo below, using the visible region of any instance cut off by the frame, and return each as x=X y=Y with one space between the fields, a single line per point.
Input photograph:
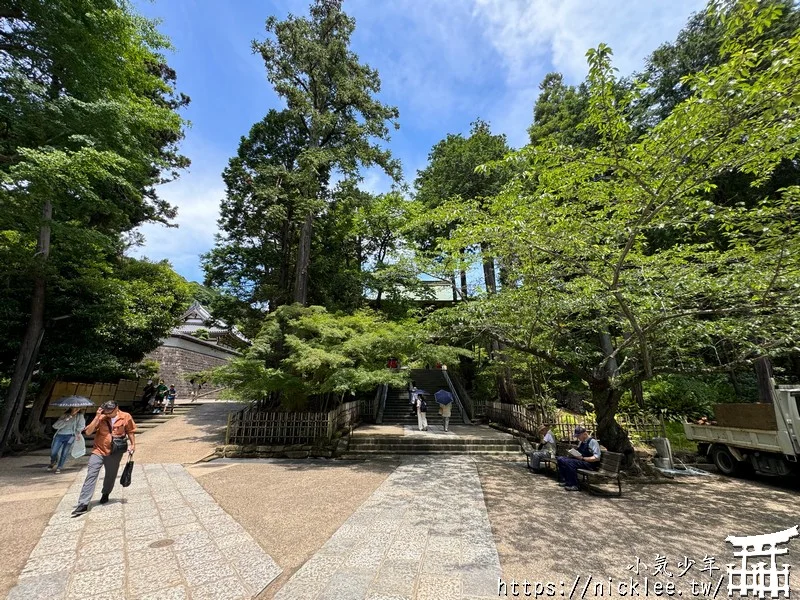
x=597 y=295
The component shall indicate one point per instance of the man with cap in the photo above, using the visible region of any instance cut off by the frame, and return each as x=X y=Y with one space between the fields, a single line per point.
x=589 y=453
x=112 y=430
x=547 y=450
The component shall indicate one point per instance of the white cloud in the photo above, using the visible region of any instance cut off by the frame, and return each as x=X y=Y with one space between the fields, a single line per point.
x=536 y=36
x=528 y=32
x=197 y=195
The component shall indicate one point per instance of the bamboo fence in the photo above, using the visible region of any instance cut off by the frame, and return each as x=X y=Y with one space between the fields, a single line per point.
x=254 y=426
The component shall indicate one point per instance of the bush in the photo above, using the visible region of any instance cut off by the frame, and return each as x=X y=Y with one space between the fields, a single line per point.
x=685 y=396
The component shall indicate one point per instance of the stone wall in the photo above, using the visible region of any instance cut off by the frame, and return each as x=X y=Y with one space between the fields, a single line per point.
x=176 y=362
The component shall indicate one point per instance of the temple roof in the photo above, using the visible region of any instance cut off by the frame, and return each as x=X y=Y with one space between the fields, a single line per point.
x=199 y=317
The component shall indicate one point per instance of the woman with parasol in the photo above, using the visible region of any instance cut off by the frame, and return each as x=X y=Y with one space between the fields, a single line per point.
x=68 y=427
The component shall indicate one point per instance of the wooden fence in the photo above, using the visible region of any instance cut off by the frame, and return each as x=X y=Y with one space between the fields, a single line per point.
x=640 y=429
x=124 y=393
x=251 y=425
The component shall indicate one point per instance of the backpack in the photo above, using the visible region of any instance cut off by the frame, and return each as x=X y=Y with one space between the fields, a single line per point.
x=423 y=406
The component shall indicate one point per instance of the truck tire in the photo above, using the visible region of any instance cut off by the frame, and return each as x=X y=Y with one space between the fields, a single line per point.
x=724 y=460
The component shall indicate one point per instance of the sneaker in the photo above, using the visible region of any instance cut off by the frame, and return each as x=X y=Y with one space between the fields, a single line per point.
x=81 y=509
x=562 y=484
x=58 y=471
x=103 y=498
x=572 y=488
x=50 y=467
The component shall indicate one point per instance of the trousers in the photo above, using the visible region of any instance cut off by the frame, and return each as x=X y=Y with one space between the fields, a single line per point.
x=111 y=464
x=60 y=448
x=568 y=469
x=422 y=419
x=536 y=458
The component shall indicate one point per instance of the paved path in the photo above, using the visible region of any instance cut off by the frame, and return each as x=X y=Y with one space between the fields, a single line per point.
x=163 y=537
x=187 y=438
x=468 y=432
x=423 y=534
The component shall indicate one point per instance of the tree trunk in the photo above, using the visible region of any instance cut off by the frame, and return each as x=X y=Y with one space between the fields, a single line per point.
x=26 y=358
x=638 y=394
x=489 y=276
x=609 y=433
x=284 y=274
x=455 y=289
x=763 y=368
x=463 y=275
x=303 y=260
x=33 y=426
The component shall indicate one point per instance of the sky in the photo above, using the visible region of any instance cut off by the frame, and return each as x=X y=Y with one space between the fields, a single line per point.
x=443 y=63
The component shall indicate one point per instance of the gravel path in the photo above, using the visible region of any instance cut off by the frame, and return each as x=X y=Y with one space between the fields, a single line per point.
x=291 y=508
x=547 y=534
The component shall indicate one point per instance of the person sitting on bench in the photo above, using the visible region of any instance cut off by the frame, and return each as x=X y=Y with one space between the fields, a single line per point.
x=585 y=457
x=547 y=450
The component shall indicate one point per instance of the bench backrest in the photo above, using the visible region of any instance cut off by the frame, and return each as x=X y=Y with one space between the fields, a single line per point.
x=611 y=461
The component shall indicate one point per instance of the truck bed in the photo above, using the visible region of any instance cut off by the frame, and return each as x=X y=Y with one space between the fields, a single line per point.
x=754 y=439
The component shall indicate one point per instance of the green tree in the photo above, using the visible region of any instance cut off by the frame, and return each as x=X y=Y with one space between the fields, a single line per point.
x=331 y=96
x=89 y=128
x=596 y=298
x=453 y=174
x=306 y=354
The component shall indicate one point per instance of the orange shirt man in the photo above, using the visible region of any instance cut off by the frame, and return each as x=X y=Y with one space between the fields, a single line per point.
x=113 y=430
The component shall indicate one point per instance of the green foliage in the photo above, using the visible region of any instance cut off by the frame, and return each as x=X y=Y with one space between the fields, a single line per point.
x=455 y=175
x=304 y=352
x=201 y=333
x=90 y=128
x=591 y=292
x=678 y=396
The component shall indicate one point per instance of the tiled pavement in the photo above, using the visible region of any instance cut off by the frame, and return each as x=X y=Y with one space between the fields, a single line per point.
x=423 y=535
x=163 y=537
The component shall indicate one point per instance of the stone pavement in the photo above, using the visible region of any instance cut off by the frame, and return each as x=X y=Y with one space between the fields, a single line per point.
x=424 y=534
x=163 y=537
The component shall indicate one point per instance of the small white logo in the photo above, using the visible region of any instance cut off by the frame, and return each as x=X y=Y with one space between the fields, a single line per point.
x=761 y=578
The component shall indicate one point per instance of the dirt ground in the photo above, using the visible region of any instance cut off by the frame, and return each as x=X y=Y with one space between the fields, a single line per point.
x=291 y=508
x=28 y=497
x=544 y=533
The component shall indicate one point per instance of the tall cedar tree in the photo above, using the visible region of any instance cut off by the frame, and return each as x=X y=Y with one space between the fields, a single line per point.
x=331 y=95
x=89 y=128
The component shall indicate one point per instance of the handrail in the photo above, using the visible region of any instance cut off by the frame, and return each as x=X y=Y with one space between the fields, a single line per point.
x=464 y=417
x=384 y=389
x=375 y=405
x=463 y=396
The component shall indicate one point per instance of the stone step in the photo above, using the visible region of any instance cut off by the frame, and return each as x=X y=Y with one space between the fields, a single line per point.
x=444 y=440
x=425 y=448
x=411 y=451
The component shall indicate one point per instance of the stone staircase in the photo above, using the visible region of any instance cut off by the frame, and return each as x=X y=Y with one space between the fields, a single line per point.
x=398 y=411
x=365 y=446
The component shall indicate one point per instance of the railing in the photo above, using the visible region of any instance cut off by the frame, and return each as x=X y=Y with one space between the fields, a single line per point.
x=640 y=429
x=466 y=401
x=253 y=426
x=383 y=391
x=464 y=417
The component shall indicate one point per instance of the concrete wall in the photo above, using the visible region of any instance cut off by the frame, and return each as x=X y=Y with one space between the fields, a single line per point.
x=179 y=356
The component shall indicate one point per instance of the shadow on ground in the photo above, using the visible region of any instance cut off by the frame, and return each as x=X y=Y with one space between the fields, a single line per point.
x=546 y=533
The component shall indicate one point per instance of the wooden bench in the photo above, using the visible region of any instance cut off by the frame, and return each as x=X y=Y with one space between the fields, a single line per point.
x=607 y=470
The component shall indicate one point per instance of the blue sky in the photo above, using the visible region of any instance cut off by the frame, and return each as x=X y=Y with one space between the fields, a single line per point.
x=443 y=63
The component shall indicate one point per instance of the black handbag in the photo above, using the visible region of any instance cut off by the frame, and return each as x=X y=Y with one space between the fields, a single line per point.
x=127 y=474
x=119 y=445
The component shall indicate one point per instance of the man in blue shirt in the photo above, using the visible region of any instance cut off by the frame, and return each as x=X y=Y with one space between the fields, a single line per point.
x=589 y=451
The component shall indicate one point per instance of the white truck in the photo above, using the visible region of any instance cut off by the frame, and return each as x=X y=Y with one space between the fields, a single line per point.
x=767 y=436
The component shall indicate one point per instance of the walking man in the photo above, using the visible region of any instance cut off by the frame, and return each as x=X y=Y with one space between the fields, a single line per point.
x=113 y=429
x=586 y=457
